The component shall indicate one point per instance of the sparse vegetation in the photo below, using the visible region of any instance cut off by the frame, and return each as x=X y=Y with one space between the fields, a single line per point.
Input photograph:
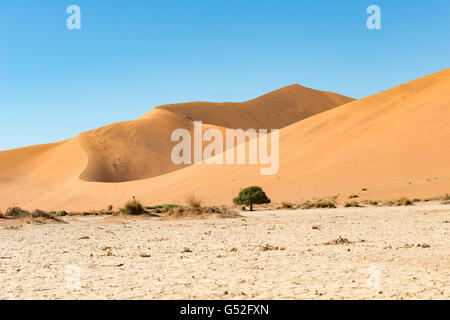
x=339 y=240
x=403 y=201
x=431 y=199
x=353 y=196
x=352 y=204
x=250 y=196
x=161 y=208
x=133 y=207
x=91 y=213
x=180 y=212
x=446 y=199
x=321 y=203
x=269 y=247
x=287 y=205
x=305 y=205
x=60 y=213
x=325 y=203
x=35 y=216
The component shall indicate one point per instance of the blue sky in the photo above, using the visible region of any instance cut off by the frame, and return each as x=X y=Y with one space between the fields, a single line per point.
x=131 y=56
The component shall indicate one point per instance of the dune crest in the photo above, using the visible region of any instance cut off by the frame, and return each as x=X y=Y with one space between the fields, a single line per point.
x=273 y=110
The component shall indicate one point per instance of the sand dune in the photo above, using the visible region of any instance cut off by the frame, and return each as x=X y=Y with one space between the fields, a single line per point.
x=393 y=143
x=274 y=110
x=133 y=150
x=141 y=149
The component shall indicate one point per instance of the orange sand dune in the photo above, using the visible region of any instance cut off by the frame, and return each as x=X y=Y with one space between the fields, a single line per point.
x=274 y=110
x=393 y=143
x=141 y=149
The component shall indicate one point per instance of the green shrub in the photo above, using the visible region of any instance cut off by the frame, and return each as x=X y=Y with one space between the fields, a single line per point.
x=60 y=213
x=133 y=207
x=250 y=196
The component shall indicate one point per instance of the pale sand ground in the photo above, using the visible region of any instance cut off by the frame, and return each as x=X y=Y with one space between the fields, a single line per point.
x=34 y=258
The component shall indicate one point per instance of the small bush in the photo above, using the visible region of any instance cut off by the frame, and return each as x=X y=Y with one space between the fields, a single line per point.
x=353 y=196
x=306 y=205
x=323 y=203
x=403 y=201
x=416 y=200
x=60 y=213
x=287 y=205
x=133 y=207
x=352 y=204
x=176 y=211
x=192 y=200
x=110 y=207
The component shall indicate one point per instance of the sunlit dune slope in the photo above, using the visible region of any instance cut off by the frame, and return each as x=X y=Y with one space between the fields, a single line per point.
x=141 y=149
x=393 y=143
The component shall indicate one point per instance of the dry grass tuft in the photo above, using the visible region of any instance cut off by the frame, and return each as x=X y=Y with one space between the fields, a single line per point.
x=338 y=241
x=287 y=205
x=403 y=201
x=37 y=216
x=180 y=212
x=268 y=247
x=352 y=204
x=325 y=203
x=192 y=201
x=445 y=199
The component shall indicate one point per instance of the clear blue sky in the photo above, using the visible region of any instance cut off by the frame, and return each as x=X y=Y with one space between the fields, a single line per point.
x=131 y=56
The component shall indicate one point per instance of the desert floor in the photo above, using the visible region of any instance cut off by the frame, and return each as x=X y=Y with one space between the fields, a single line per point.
x=148 y=258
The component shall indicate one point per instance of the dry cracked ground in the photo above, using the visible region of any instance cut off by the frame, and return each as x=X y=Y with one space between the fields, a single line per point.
x=351 y=253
